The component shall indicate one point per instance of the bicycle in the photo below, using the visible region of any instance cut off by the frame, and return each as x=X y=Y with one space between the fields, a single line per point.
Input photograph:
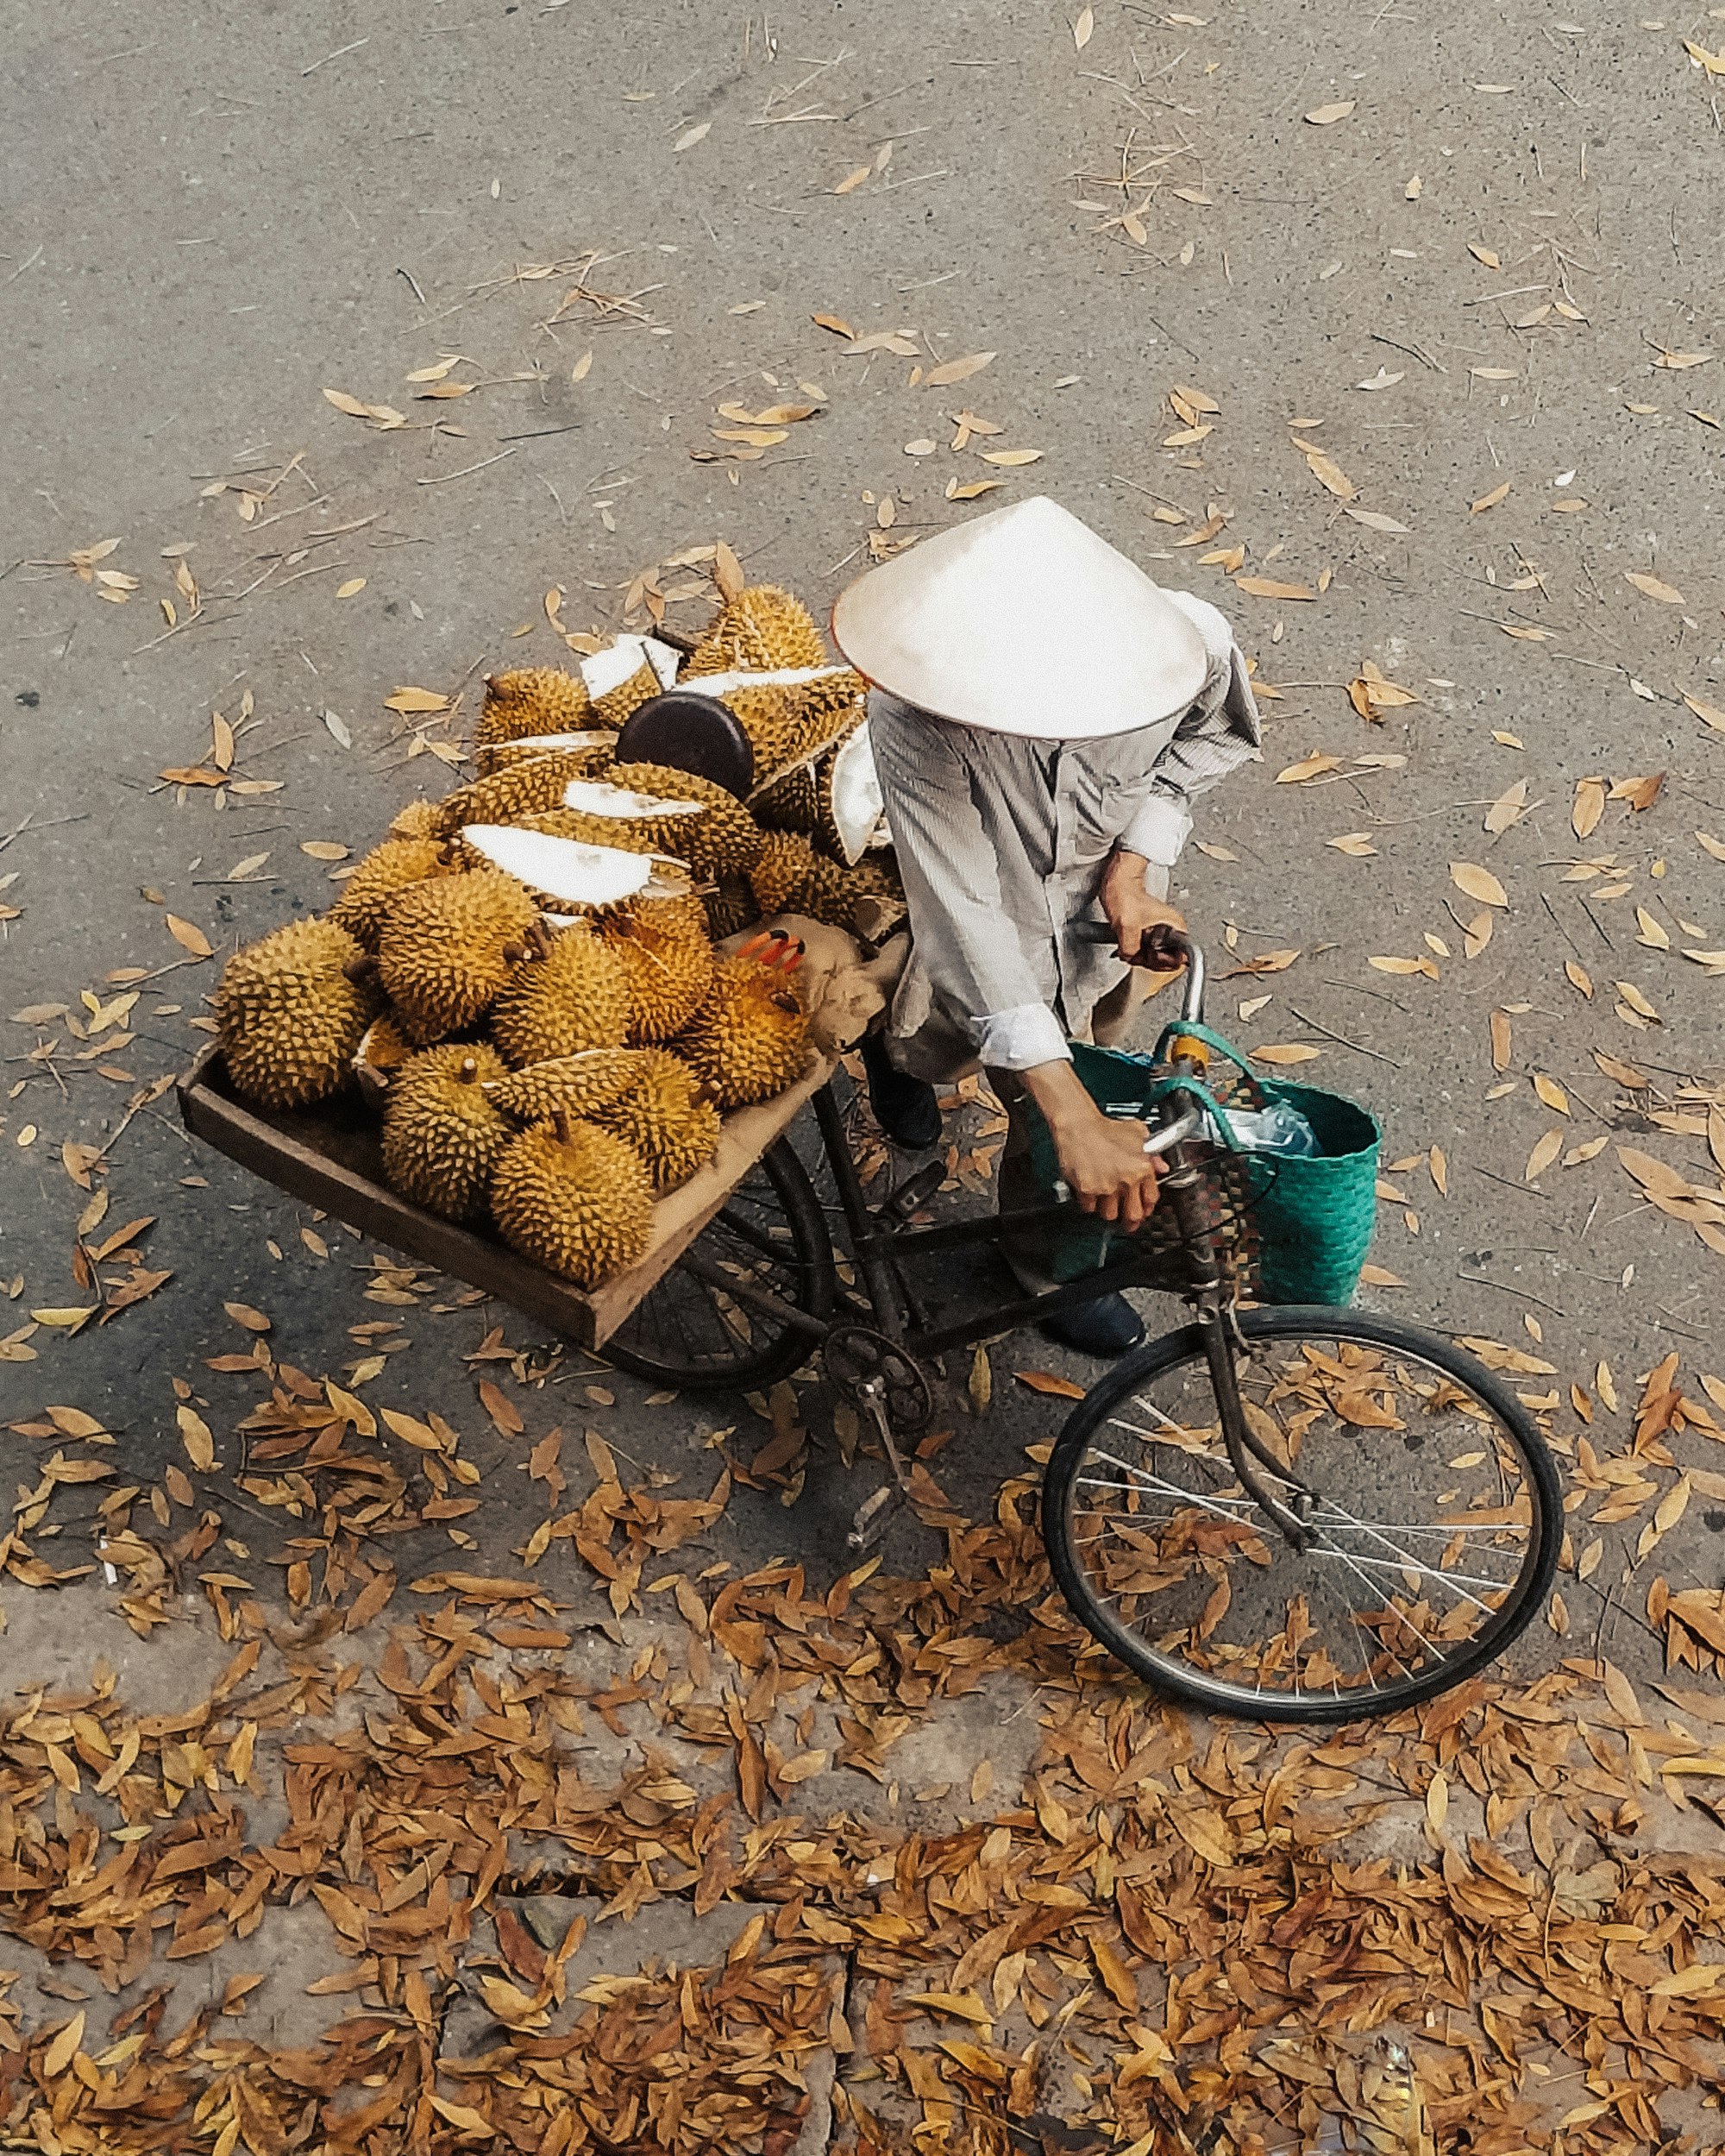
x=1296 y=1514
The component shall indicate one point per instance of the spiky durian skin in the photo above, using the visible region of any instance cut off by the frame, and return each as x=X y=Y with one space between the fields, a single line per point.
x=532 y=700
x=386 y=869
x=576 y=997
x=767 y=715
x=661 y=944
x=443 y=1134
x=662 y=1117
x=725 y=841
x=288 y=1016
x=444 y=952
x=731 y=906
x=578 y=1202
x=492 y=756
x=575 y=1085
x=418 y=820
x=382 y=1051
x=750 y=1038
x=791 y=803
x=510 y=795
x=763 y=627
x=626 y=698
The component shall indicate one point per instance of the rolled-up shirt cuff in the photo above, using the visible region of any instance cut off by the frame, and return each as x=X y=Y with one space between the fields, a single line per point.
x=1020 y=1038
x=1158 y=830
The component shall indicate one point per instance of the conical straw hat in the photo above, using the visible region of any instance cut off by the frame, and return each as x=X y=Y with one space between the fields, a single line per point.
x=1023 y=621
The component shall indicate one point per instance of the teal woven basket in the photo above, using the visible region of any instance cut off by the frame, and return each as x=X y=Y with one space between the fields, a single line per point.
x=1309 y=1222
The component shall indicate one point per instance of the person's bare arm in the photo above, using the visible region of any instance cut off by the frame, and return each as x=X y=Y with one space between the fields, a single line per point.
x=1102 y=1159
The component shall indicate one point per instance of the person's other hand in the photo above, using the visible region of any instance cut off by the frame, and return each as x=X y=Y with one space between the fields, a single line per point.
x=1132 y=912
x=1104 y=1163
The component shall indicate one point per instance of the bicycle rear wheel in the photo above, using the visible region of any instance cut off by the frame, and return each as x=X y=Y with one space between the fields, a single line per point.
x=1435 y=1505
x=771 y=1234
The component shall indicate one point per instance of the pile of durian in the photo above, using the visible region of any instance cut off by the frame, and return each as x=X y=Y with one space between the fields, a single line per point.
x=524 y=976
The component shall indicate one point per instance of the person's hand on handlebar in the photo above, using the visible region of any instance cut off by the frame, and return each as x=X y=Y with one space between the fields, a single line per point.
x=1102 y=1159
x=1134 y=913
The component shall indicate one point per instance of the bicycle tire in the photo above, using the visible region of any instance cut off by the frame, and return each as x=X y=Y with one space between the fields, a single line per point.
x=810 y=1281
x=1527 y=1594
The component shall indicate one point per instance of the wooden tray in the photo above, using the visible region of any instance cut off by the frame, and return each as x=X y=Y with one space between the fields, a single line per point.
x=330 y=1157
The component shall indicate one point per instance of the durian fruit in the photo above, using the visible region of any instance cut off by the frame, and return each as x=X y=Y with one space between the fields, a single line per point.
x=550 y=823
x=850 y=808
x=386 y=869
x=666 y=1117
x=418 y=820
x=790 y=716
x=382 y=1051
x=791 y=877
x=617 y=704
x=763 y=627
x=790 y=804
x=574 y=1199
x=594 y=746
x=532 y=700
x=731 y=906
x=663 y=946
x=725 y=841
x=446 y=946
x=292 y=1010
x=750 y=1038
x=570 y=993
x=443 y=1132
x=568 y=1084
x=527 y=788
x=563 y=872
x=604 y=812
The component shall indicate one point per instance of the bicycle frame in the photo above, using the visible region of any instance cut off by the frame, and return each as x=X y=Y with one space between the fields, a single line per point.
x=881 y=1244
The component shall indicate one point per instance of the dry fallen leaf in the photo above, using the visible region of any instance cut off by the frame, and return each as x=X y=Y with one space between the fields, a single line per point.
x=1665 y=593
x=1477 y=882
x=1325 y=115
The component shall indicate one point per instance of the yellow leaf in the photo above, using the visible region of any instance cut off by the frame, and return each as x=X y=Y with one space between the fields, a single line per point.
x=1326 y=116
x=1287 y=1052
x=1353 y=843
x=1507 y=806
x=1590 y=807
x=1667 y=594
x=1709 y=715
x=1542 y=1156
x=194 y=1435
x=1483 y=254
x=1653 y=932
x=1046 y=1381
x=409 y=700
x=1011 y=456
x=463 y=2114
x=1478 y=883
x=958 y=370
x=1709 y=844
x=1551 y=1093
x=1314 y=766
x=64 y=2049
x=1578 y=977
x=344 y=402
x=1267 y=587
x=854 y=178
x=1329 y=474
x=188 y=936
x=583 y=366
x=836 y=323
x=354 y=584
x=1083 y=27
x=686 y=141
x=1490 y=501
x=955 y=493
x=1381 y=1276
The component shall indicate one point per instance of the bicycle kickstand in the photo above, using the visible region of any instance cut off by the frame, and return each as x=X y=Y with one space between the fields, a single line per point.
x=869 y=1521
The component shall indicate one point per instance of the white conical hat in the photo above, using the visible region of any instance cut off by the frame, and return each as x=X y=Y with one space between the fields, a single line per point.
x=1023 y=621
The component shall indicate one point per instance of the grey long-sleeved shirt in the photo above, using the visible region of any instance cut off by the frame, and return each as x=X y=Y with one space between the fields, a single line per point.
x=1002 y=841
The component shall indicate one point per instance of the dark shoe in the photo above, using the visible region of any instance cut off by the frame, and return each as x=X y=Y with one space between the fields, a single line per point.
x=1109 y=1326
x=904 y=1107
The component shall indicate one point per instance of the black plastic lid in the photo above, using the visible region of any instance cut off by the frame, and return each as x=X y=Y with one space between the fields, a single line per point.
x=690 y=732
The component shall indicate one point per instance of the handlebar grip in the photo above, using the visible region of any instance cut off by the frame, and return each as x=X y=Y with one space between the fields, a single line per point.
x=1165 y=948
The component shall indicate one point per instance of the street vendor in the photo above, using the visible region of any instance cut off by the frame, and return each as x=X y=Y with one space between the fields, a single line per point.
x=1043 y=716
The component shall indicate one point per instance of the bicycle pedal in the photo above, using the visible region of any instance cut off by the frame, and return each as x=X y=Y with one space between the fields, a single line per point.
x=870 y=1518
x=913 y=1192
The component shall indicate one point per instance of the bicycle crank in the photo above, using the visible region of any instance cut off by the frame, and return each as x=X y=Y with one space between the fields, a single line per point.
x=883 y=1382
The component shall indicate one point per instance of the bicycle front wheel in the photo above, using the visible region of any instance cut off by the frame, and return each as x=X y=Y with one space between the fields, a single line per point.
x=1432 y=1503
